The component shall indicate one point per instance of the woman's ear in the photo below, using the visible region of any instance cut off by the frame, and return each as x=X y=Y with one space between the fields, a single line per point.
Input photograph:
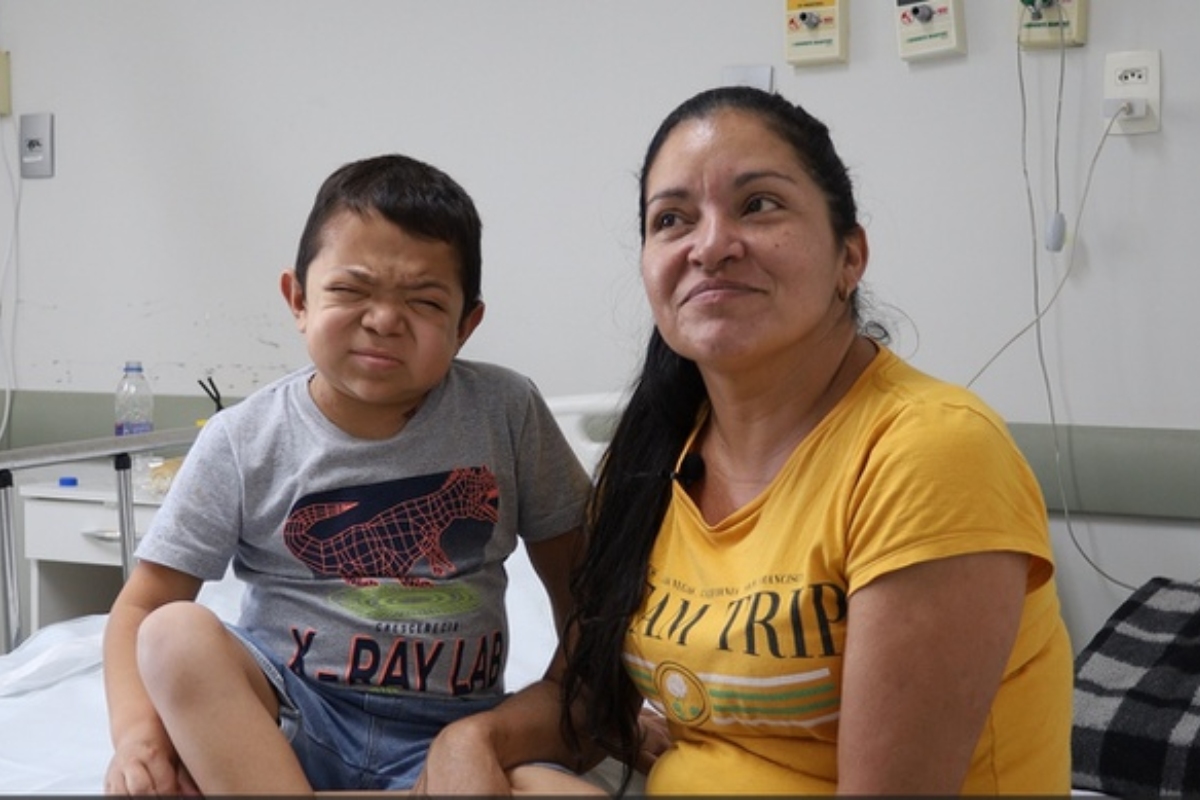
x=855 y=253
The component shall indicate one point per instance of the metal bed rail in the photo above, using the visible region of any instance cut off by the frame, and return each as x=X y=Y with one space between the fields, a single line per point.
x=121 y=449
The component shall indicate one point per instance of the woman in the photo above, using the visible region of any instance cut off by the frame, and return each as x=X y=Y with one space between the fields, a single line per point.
x=845 y=581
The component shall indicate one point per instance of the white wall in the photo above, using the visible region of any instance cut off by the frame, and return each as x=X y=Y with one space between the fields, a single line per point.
x=192 y=135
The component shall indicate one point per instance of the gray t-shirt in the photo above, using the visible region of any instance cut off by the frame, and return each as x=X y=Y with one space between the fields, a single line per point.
x=375 y=565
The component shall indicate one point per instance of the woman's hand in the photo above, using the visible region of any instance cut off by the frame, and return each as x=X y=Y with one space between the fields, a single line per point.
x=656 y=738
x=462 y=760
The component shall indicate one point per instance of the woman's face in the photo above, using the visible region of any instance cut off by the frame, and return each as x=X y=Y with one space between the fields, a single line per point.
x=740 y=262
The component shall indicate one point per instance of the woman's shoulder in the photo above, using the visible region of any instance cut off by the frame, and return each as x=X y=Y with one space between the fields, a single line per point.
x=912 y=384
x=909 y=398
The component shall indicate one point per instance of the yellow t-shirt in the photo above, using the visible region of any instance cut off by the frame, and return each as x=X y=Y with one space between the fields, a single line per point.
x=740 y=637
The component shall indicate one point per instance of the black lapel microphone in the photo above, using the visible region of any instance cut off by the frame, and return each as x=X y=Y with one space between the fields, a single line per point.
x=691 y=469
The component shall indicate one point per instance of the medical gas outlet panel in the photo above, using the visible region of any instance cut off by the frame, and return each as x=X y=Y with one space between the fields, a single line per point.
x=818 y=31
x=929 y=29
x=1052 y=23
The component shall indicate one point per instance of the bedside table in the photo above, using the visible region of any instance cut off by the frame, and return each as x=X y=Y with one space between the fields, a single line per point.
x=72 y=541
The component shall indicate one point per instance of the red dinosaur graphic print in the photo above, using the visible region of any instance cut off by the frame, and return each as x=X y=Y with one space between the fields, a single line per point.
x=392 y=541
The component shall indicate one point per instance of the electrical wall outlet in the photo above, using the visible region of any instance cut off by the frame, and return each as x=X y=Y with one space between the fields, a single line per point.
x=1052 y=23
x=818 y=31
x=926 y=29
x=1134 y=77
x=36 y=143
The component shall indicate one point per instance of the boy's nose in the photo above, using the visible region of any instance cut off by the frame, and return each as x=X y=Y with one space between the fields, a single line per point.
x=384 y=318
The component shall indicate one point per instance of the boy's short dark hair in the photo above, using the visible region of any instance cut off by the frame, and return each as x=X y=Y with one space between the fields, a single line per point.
x=417 y=197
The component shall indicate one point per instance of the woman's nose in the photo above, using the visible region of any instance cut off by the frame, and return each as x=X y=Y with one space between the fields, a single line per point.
x=717 y=240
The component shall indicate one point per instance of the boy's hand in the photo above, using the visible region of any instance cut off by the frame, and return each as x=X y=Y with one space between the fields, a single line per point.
x=146 y=764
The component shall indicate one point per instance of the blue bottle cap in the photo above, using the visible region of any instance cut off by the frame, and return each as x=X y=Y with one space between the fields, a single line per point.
x=68 y=480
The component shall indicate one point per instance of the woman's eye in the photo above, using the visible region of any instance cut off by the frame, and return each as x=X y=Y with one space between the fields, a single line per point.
x=668 y=219
x=759 y=203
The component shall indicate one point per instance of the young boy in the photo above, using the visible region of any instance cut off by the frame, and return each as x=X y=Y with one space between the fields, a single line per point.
x=368 y=502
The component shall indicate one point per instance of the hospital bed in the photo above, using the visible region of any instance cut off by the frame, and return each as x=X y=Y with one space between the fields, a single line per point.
x=53 y=720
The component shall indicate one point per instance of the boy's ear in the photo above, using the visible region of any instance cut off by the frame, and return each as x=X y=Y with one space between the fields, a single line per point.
x=469 y=323
x=293 y=294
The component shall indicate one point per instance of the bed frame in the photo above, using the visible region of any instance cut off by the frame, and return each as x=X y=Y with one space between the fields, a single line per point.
x=121 y=449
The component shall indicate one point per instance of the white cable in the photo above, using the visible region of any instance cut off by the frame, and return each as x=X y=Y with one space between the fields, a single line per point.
x=1040 y=310
x=1062 y=76
x=1058 y=469
x=1029 y=204
x=1056 y=228
x=8 y=325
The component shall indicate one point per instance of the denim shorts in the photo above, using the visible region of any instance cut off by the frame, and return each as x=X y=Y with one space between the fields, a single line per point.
x=352 y=740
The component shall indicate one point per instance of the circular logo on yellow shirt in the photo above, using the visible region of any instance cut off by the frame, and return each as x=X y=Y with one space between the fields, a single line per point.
x=684 y=699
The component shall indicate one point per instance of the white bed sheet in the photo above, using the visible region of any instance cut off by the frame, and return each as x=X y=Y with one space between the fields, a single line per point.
x=53 y=724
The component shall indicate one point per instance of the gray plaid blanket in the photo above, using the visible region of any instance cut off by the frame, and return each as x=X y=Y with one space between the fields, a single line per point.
x=1137 y=697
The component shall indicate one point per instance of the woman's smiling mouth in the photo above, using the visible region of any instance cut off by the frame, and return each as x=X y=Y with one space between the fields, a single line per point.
x=715 y=290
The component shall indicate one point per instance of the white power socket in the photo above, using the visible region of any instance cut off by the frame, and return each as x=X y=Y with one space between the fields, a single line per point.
x=1052 y=23
x=818 y=31
x=1134 y=77
x=36 y=144
x=925 y=29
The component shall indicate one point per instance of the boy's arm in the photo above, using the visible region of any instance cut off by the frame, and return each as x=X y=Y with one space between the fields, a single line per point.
x=554 y=560
x=144 y=760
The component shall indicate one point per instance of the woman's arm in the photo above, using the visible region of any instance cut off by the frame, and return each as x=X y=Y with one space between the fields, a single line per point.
x=477 y=755
x=926 y=648
x=553 y=561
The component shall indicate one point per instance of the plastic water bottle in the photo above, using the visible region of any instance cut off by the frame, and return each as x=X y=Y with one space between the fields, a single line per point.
x=134 y=401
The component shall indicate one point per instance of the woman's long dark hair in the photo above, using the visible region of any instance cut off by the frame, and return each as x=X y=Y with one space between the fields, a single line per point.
x=633 y=485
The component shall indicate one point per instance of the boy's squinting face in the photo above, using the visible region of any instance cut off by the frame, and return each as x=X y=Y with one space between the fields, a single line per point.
x=382 y=318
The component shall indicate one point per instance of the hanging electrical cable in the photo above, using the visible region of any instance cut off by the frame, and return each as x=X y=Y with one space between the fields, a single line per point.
x=1055 y=232
x=8 y=273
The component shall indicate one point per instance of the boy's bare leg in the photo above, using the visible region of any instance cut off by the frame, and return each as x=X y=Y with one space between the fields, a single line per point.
x=219 y=709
